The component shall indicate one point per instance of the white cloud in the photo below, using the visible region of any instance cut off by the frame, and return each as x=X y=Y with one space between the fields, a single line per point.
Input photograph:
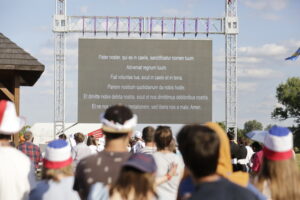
x=270 y=16
x=175 y=12
x=265 y=50
x=247 y=86
x=259 y=73
x=275 y=5
x=249 y=59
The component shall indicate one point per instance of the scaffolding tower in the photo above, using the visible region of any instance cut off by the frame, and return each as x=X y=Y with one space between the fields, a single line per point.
x=146 y=27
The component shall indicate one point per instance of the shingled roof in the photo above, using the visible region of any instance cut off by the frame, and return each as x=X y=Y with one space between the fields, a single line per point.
x=14 y=59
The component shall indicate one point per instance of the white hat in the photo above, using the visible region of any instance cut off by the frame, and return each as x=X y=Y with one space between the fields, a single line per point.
x=10 y=123
x=138 y=134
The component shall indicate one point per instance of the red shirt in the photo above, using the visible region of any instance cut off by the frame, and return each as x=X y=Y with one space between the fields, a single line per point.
x=32 y=151
x=257 y=160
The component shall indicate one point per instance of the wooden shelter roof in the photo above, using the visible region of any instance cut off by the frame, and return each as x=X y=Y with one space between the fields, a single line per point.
x=14 y=59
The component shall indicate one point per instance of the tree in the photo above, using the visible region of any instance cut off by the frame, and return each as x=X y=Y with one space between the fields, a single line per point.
x=288 y=95
x=269 y=126
x=223 y=126
x=252 y=125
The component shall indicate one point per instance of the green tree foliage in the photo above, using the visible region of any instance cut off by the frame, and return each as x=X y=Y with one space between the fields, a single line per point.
x=268 y=127
x=252 y=125
x=288 y=95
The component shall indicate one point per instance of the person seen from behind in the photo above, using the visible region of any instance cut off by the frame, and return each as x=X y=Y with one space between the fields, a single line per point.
x=30 y=149
x=224 y=168
x=81 y=150
x=17 y=176
x=148 y=137
x=257 y=158
x=92 y=144
x=279 y=176
x=118 y=125
x=57 y=174
x=139 y=143
x=136 y=181
x=200 y=148
x=62 y=137
x=165 y=160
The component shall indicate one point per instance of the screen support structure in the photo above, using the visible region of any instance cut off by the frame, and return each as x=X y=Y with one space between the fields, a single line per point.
x=146 y=27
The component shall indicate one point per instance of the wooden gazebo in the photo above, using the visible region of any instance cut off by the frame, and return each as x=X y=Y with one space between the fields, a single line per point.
x=17 y=68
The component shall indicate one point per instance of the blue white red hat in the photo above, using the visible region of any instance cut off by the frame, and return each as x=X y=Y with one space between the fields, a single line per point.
x=58 y=154
x=278 y=144
x=10 y=123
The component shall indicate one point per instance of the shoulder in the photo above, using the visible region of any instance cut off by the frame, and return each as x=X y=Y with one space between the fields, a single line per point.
x=237 y=191
x=12 y=153
x=39 y=190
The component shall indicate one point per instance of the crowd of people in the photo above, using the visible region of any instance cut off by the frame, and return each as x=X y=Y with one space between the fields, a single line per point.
x=202 y=162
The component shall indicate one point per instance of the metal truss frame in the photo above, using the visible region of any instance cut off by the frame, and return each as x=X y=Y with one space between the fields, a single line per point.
x=117 y=26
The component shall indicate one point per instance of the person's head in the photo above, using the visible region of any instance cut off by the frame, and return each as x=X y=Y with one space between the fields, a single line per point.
x=231 y=135
x=91 y=141
x=148 y=134
x=244 y=141
x=118 y=123
x=62 y=137
x=256 y=146
x=136 y=177
x=172 y=146
x=58 y=161
x=279 y=167
x=138 y=135
x=28 y=136
x=163 y=137
x=199 y=146
x=10 y=123
x=79 y=138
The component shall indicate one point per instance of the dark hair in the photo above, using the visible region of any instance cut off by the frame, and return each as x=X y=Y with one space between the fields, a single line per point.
x=130 y=178
x=91 y=141
x=256 y=146
x=231 y=135
x=5 y=137
x=148 y=134
x=79 y=137
x=118 y=113
x=163 y=137
x=199 y=146
x=62 y=137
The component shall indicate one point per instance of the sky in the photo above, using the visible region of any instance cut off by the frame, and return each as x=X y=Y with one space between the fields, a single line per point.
x=269 y=32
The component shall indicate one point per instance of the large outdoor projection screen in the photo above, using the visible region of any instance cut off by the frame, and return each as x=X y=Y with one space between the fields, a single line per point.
x=164 y=81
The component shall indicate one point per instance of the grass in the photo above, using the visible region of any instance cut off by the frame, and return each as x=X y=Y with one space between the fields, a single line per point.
x=298 y=159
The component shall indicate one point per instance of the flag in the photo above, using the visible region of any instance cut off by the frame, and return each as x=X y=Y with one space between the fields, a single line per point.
x=97 y=133
x=294 y=56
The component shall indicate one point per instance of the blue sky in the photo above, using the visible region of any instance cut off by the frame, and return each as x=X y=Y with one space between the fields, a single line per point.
x=269 y=32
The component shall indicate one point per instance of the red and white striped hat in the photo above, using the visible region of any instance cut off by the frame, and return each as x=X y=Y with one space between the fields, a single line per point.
x=10 y=123
x=58 y=154
x=278 y=144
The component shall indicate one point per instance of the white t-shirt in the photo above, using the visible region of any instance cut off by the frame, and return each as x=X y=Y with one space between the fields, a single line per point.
x=93 y=148
x=250 y=153
x=138 y=146
x=16 y=174
x=168 y=190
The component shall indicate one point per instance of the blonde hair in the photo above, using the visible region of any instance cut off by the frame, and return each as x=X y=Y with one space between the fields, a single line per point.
x=52 y=174
x=282 y=177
